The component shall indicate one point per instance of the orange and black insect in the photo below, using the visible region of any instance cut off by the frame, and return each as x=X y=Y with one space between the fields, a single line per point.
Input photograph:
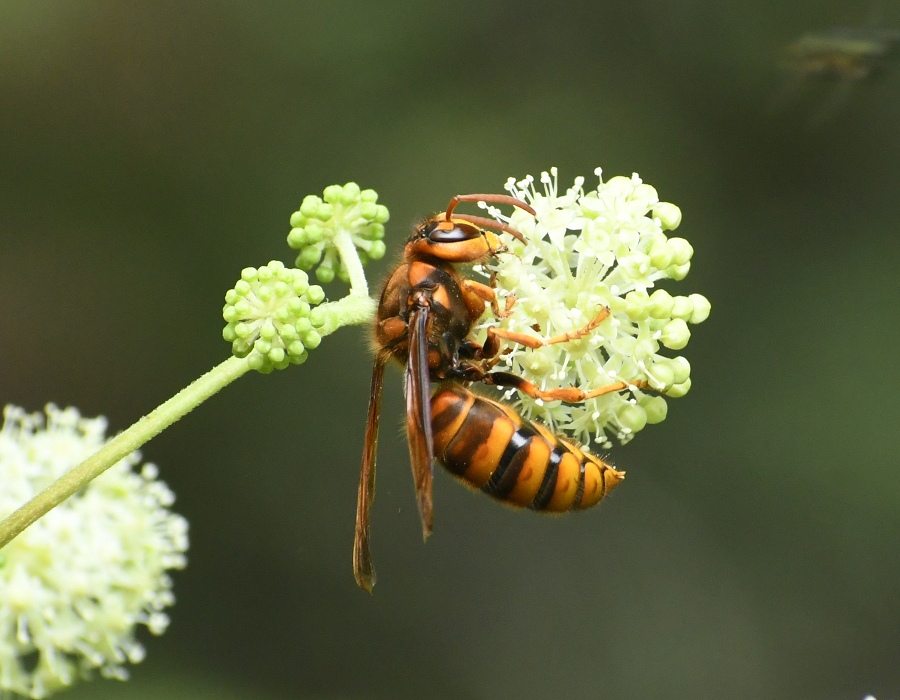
x=491 y=447
x=424 y=320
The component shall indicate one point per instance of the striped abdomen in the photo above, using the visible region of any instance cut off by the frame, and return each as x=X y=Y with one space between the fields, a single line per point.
x=492 y=448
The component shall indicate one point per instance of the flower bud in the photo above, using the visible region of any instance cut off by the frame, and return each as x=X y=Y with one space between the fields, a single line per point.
x=632 y=418
x=701 y=308
x=656 y=409
x=661 y=303
x=675 y=334
x=682 y=251
x=668 y=214
x=679 y=390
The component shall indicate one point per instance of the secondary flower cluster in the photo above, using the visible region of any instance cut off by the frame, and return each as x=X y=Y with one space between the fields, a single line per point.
x=342 y=216
x=75 y=585
x=586 y=250
x=268 y=316
x=269 y=312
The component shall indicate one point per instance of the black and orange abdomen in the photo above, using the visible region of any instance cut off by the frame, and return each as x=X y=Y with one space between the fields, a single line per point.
x=490 y=447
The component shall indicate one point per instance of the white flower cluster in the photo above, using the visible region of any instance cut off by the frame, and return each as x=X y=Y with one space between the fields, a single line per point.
x=76 y=583
x=586 y=250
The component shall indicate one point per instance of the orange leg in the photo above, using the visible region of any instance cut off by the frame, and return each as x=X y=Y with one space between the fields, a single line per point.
x=487 y=294
x=530 y=341
x=567 y=394
x=510 y=299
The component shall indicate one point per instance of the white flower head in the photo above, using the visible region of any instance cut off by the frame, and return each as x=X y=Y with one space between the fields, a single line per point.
x=587 y=251
x=75 y=585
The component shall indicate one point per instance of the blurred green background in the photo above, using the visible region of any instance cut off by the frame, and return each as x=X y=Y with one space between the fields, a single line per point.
x=150 y=151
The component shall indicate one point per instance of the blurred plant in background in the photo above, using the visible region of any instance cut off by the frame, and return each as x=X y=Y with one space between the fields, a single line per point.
x=76 y=585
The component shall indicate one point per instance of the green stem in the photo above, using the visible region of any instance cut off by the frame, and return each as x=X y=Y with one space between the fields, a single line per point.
x=121 y=445
x=353 y=310
x=345 y=248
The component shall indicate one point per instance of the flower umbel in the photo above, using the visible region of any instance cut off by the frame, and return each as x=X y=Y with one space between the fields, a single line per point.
x=268 y=316
x=586 y=250
x=75 y=585
x=326 y=230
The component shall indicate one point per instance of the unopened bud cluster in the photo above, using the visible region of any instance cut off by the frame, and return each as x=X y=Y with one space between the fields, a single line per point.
x=268 y=316
x=586 y=250
x=343 y=215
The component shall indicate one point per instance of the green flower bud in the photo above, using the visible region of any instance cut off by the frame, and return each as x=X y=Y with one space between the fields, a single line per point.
x=318 y=318
x=675 y=334
x=701 y=308
x=377 y=250
x=661 y=254
x=350 y=194
x=678 y=272
x=315 y=294
x=310 y=207
x=368 y=210
x=324 y=274
x=678 y=390
x=646 y=193
x=661 y=303
x=309 y=257
x=265 y=293
x=312 y=340
x=656 y=409
x=683 y=308
x=267 y=330
x=682 y=251
x=332 y=193
x=312 y=234
x=325 y=212
x=637 y=305
x=297 y=306
x=662 y=374
x=668 y=214
x=682 y=369
x=296 y=349
x=632 y=418
x=297 y=358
